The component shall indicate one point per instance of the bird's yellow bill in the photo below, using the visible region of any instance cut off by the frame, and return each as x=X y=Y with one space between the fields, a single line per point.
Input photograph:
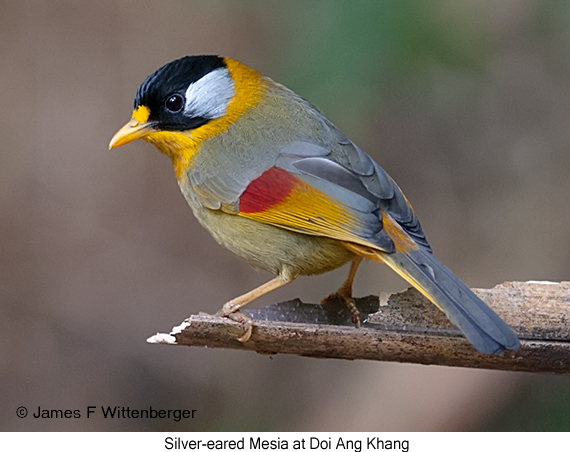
x=131 y=131
x=136 y=128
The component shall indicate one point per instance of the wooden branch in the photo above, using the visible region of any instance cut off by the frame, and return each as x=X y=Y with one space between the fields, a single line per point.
x=402 y=327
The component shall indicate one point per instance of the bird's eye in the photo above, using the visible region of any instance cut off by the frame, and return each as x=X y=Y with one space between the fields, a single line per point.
x=174 y=103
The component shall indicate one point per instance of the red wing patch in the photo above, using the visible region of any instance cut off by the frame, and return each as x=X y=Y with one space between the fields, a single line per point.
x=268 y=190
x=280 y=199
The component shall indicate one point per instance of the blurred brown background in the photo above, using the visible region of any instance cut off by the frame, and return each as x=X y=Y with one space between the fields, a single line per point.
x=465 y=104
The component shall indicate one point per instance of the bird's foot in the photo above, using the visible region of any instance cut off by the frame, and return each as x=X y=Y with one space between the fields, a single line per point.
x=239 y=317
x=349 y=302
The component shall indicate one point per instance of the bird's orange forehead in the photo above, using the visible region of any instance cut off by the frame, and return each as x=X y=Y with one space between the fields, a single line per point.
x=141 y=114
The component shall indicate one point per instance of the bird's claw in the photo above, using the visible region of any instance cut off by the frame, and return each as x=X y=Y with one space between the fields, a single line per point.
x=350 y=304
x=246 y=323
x=239 y=317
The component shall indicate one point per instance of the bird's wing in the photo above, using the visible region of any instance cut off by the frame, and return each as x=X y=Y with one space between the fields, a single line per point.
x=346 y=172
x=331 y=189
x=334 y=190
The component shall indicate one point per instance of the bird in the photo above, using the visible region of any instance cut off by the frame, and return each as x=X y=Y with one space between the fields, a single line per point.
x=278 y=184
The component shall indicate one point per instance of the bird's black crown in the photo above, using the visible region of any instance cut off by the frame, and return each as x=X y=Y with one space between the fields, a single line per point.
x=174 y=77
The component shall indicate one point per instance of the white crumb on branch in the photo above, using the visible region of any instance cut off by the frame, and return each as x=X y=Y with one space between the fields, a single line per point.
x=162 y=338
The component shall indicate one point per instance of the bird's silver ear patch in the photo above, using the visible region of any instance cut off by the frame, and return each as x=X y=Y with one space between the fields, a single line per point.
x=209 y=96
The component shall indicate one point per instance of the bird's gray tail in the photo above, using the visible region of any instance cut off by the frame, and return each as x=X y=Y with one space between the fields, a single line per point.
x=480 y=324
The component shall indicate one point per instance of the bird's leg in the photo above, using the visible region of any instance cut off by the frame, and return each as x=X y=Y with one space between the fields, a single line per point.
x=344 y=292
x=346 y=289
x=231 y=308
